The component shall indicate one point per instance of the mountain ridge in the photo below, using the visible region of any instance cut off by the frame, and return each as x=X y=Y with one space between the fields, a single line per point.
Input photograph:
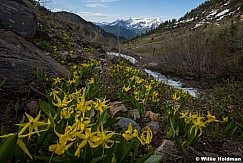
x=131 y=27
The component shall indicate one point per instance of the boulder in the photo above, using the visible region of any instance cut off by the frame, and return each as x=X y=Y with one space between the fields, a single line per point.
x=18 y=17
x=123 y=124
x=117 y=107
x=153 y=116
x=32 y=107
x=154 y=127
x=167 y=150
x=19 y=60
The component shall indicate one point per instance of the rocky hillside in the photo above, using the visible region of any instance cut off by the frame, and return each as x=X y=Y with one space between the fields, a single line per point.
x=32 y=37
x=205 y=43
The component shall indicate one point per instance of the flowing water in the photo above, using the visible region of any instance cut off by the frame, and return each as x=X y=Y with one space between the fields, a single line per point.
x=158 y=76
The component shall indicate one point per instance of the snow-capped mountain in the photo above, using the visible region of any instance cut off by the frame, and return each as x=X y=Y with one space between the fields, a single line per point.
x=131 y=27
x=138 y=23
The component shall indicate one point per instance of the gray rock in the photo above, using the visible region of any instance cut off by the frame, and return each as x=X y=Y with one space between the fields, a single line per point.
x=154 y=126
x=32 y=107
x=117 y=107
x=19 y=60
x=21 y=19
x=209 y=154
x=124 y=122
x=134 y=113
x=166 y=149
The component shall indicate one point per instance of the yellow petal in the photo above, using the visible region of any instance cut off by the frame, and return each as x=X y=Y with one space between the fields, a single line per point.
x=82 y=144
x=77 y=152
x=23 y=147
x=52 y=147
x=7 y=135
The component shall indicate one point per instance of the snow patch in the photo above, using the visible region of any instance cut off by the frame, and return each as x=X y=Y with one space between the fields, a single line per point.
x=198 y=24
x=213 y=12
x=222 y=13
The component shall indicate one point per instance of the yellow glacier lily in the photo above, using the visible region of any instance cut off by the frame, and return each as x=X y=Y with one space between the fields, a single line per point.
x=101 y=106
x=62 y=103
x=130 y=133
x=105 y=136
x=82 y=105
x=211 y=118
x=62 y=145
x=198 y=124
x=33 y=124
x=89 y=137
x=146 y=137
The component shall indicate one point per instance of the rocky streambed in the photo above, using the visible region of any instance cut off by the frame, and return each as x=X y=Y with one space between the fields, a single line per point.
x=158 y=76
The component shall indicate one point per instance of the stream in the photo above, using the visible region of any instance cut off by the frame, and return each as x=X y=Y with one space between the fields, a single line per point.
x=176 y=84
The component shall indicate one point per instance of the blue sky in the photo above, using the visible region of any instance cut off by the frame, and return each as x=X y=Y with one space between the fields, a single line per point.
x=111 y=10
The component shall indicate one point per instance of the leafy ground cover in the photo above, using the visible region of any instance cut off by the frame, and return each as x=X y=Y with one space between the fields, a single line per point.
x=74 y=123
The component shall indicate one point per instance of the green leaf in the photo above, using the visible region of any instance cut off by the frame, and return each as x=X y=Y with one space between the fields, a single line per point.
x=52 y=159
x=241 y=116
x=181 y=147
x=230 y=132
x=137 y=144
x=111 y=121
x=101 y=120
x=94 y=160
x=170 y=133
x=16 y=107
x=2 y=82
x=41 y=140
x=153 y=159
x=7 y=110
x=240 y=138
x=172 y=125
x=145 y=157
x=216 y=131
x=126 y=151
x=22 y=145
x=6 y=148
x=53 y=123
x=2 y=130
x=228 y=127
x=46 y=107
x=19 y=153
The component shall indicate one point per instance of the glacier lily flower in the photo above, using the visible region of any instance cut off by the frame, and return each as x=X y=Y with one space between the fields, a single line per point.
x=33 y=124
x=211 y=118
x=105 y=136
x=130 y=133
x=198 y=124
x=101 y=106
x=62 y=103
x=88 y=137
x=146 y=137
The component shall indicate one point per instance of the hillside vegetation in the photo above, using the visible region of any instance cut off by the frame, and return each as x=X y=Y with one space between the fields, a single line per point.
x=205 y=43
x=106 y=110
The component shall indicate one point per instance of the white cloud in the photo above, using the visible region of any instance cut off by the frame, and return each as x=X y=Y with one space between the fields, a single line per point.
x=97 y=3
x=94 y=5
x=92 y=14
